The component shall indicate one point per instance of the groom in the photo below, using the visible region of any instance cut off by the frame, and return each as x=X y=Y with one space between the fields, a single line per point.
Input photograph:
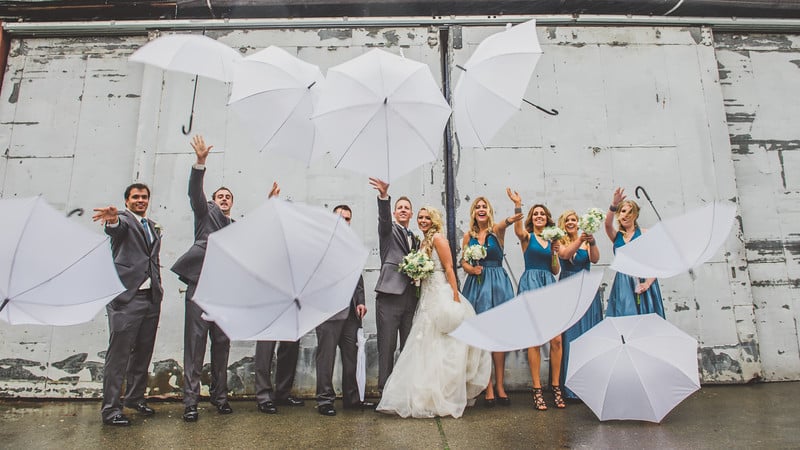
x=396 y=299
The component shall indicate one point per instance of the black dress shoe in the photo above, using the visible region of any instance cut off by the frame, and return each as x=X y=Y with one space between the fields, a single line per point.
x=119 y=420
x=290 y=401
x=143 y=409
x=268 y=407
x=489 y=402
x=361 y=405
x=326 y=409
x=190 y=414
x=224 y=408
x=503 y=401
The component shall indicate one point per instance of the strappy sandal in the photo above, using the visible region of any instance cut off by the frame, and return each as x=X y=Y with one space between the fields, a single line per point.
x=558 y=398
x=538 y=400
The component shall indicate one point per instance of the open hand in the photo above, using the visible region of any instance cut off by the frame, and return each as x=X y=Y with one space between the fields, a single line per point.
x=381 y=186
x=200 y=148
x=108 y=214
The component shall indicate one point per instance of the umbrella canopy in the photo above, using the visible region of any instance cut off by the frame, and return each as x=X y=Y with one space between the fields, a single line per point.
x=189 y=53
x=273 y=95
x=677 y=244
x=533 y=317
x=361 y=363
x=381 y=114
x=633 y=368
x=493 y=83
x=53 y=271
x=279 y=272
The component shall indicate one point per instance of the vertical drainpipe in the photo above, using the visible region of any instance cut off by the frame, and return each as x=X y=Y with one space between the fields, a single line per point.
x=5 y=45
x=449 y=157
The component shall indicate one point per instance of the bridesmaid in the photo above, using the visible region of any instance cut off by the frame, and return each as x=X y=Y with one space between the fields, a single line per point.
x=541 y=266
x=577 y=253
x=494 y=287
x=629 y=295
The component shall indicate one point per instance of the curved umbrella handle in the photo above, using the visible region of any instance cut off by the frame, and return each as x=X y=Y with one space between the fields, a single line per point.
x=185 y=130
x=638 y=188
x=78 y=211
x=552 y=112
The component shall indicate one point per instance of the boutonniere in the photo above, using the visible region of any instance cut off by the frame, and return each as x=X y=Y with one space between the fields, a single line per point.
x=159 y=230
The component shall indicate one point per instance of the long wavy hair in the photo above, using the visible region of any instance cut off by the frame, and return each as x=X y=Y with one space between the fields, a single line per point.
x=562 y=222
x=634 y=209
x=473 y=219
x=437 y=226
x=529 y=218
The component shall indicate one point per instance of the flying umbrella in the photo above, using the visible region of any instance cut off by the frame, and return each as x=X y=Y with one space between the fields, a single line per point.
x=533 y=317
x=493 y=83
x=633 y=368
x=381 y=114
x=273 y=95
x=279 y=272
x=678 y=244
x=53 y=271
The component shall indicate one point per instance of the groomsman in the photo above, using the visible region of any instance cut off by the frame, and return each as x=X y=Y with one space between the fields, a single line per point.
x=267 y=396
x=209 y=216
x=340 y=330
x=132 y=315
x=396 y=299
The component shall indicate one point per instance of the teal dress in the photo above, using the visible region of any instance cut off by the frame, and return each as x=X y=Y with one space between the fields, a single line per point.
x=537 y=266
x=495 y=287
x=592 y=317
x=623 y=301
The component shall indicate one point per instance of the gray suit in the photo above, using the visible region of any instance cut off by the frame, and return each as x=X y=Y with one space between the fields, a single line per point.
x=288 y=352
x=396 y=299
x=132 y=315
x=340 y=330
x=208 y=218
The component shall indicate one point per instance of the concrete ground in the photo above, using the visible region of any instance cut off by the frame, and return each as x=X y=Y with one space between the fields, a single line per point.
x=752 y=416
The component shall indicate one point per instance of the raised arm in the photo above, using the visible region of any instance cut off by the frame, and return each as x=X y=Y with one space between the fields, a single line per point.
x=500 y=228
x=566 y=252
x=619 y=196
x=443 y=249
x=519 y=229
x=384 y=206
x=275 y=191
x=197 y=197
x=110 y=218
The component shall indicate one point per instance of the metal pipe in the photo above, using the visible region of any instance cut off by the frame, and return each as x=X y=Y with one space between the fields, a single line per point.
x=114 y=27
x=448 y=157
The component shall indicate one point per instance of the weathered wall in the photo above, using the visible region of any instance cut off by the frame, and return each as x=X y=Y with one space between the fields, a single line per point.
x=639 y=106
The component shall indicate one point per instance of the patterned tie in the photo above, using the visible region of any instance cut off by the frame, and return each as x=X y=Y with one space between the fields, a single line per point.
x=147 y=234
x=410 y=239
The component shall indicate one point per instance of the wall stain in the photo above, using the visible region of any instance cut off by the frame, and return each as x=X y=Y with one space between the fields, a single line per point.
x=334 y=33
x=392 y=38
x=718 y=367
x=14 y=93
x=15 y=369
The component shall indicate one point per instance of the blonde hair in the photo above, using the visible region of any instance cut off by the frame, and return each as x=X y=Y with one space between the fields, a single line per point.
x=634 y=209
x=473 y=223
x=562 y=221
x=437 y=226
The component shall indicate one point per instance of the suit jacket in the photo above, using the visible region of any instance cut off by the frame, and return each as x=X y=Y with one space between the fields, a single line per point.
x=357 y=299
x=208 y=218
x=134 y=258
x=393 y=247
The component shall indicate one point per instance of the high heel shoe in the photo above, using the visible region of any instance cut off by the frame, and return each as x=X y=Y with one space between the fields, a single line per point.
x=538 y=400
x=558 y=397
x=503 y=401
x=489 y=402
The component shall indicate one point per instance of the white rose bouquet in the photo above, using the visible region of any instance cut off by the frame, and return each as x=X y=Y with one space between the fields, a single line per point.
x=591 y=221
x=553 y=233
x=417 y=265
x=473 y=254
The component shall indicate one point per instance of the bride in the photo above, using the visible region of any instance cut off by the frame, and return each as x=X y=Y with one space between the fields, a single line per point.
x=436 y=374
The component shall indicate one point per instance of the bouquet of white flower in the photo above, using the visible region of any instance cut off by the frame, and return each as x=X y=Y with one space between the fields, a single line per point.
x=417 y=265
x=473 y=254
x=591 y=221
x=553 y=233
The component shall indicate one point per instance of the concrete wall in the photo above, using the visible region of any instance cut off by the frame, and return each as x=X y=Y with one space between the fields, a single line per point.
x=639 y=106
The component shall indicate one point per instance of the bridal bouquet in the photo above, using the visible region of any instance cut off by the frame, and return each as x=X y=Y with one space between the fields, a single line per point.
x=473 y=254
x=591 y=221
x=553 y=233
x=417 y=265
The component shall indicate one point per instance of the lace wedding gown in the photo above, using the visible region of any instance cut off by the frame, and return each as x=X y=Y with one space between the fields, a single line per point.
x=436 y=374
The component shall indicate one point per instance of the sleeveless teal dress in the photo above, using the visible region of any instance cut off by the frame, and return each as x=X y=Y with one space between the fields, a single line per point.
x=495 y=287
x=623 y=301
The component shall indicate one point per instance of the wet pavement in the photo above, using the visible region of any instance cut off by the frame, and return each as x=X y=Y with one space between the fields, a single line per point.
x=750 y=416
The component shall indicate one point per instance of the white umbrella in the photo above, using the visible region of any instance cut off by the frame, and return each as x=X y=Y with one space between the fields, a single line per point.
x=279 y=272
x=633 y=368
x=189 y=53
x=53 y=271
x=533 y=317
x=361 y=363
x=273 y=94
x=490 y=90
x=381 y=114
x=677 y=244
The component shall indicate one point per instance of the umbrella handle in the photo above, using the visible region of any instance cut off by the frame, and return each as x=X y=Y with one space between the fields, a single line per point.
x=644 y=191
x=552 y=112
x=185 y=130
x=78 y=211
x=5 y=302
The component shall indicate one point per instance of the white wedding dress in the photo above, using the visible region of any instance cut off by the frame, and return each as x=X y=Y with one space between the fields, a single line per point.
x=436 y=374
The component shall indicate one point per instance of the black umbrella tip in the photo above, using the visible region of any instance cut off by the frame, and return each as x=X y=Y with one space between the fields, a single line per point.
x=5 y=302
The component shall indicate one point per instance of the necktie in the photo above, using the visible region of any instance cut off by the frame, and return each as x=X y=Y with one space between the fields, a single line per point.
x=410 y=239
x=147 y=234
